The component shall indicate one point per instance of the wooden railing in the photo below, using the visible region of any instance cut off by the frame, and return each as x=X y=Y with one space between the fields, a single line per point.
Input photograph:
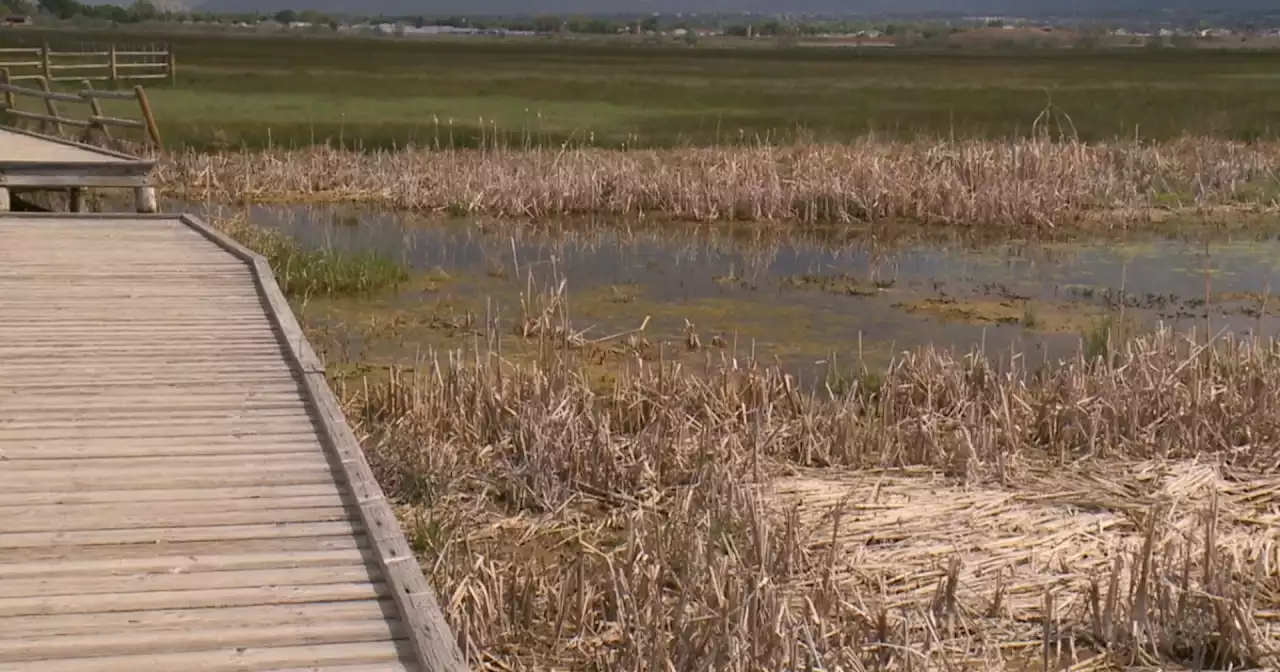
x=94 y=63
x=53 y=121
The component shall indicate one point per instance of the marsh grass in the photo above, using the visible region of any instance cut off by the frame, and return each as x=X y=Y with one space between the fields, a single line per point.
x=942 y=514
x=1038 y=183
x=304 y=273
x=281 y=89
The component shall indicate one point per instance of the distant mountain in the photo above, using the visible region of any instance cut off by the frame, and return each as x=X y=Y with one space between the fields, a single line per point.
x=528 y=7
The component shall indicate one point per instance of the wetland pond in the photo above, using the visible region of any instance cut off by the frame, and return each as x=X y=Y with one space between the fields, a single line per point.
x=796 y=297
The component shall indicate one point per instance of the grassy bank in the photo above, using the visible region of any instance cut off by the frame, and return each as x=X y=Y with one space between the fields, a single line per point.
x=304 y=273
x=938 y=515
x=379 y=93
x=1023 y=183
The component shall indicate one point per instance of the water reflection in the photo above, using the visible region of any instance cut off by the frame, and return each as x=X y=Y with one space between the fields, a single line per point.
x=800 y=295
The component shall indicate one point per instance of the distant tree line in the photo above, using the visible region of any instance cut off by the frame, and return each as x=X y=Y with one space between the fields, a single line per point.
x=139 y=11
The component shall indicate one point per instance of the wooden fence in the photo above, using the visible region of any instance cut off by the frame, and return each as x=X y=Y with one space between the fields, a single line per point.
x=92 y=121
x=96 y=63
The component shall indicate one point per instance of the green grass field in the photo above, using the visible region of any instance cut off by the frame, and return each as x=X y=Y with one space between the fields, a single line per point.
x=379 y=92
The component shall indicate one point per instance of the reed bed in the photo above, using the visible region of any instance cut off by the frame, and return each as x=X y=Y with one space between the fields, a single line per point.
x=942 y=514
x=1016 y=183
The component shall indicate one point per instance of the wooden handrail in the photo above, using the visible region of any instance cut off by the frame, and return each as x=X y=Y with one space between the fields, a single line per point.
x=100 y=94
x=156 y=64
x=52 y=119
x=40 y=93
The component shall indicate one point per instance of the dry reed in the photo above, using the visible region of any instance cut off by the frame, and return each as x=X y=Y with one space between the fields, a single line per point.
x=1016 y=183
x=941 y=515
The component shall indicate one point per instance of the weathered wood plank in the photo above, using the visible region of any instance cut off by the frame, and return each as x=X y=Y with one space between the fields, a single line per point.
x=189 y=599
x=181 y=619
x=185 y=564
x=25 y=148
x=175 y=476
x=69 y=519
x=123 y=552
x=200 y=637
x=339 y=657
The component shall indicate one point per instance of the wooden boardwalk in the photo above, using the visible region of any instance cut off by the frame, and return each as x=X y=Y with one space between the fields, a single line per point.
x=178 y=488
x=38 y=162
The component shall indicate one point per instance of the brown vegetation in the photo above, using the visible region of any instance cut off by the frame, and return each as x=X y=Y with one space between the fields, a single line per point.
x=1025 y=183
x=941 y=515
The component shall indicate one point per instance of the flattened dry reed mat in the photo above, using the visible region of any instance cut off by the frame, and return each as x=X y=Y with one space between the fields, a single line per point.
x=1107 y=513
x=1017 y=183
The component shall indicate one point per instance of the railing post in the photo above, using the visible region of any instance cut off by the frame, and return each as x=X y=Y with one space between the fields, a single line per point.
x=9 y=101
x=46 y=61
x=152 y=129
x=51 y=106
x=112 y=67
x=95 y=108
x=172 y=63
x=75 y=199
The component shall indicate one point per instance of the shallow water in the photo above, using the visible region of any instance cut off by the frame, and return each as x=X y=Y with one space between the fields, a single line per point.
x=800 y=300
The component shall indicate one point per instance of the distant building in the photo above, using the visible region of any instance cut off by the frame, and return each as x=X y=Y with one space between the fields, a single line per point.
x=14 y=20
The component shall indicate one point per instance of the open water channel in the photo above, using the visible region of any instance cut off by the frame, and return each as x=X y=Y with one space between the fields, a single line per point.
x=791 y=296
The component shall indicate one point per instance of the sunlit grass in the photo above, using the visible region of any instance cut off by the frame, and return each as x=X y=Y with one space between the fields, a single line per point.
x=304 y=273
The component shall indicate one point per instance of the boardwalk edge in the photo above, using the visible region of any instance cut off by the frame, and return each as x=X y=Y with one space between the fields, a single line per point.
x=433 y=641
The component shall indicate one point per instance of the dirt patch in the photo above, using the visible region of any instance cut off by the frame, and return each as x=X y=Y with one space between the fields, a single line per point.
x=907 y=537
x=1035 y=315
x=841 y=283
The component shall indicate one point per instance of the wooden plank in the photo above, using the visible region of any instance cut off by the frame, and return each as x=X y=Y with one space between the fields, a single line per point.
x=40 y=93
x=78 y=66
x=152 y=582
x=138 y=351
x=198 y=639
x=102 y=480
x=111 y=398
x=117 y=121
x=168 y=496
x=88 y=408
x=83 y=407
x=137 y=386
x=125 y=332
x=226 y=422
x=184 y=564
x=183 y=619
x=189 y=599
x=403 y=665
x=108 y=94
x=223 y=533
x=207 y=365
x=177 y=382
x=125 y=552
x=88 y=175
x=152 y=447
x=74 y=519
x=307 y=458
x=386 y=656
x=30 y=148
x=40 y=116
x=136 y=430
x=116 y=476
